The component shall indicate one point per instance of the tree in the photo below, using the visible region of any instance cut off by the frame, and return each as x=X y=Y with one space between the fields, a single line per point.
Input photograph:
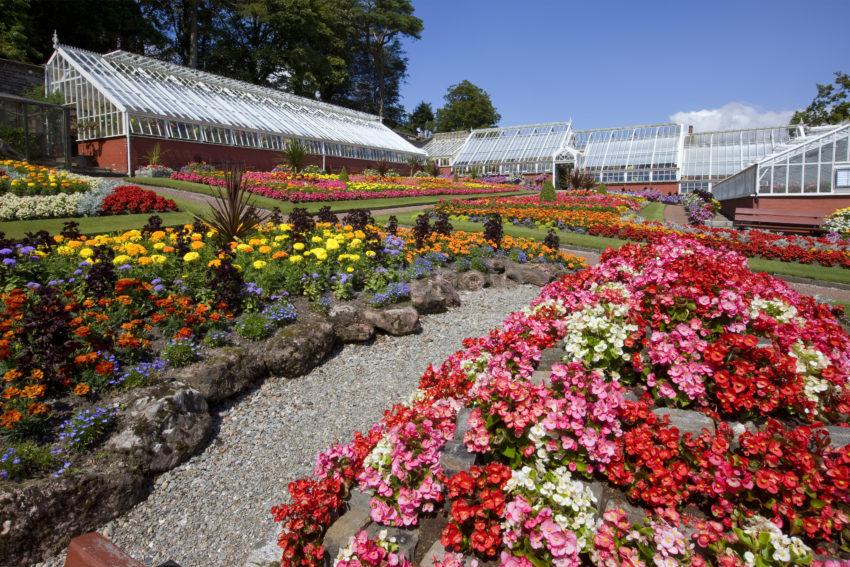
x=830 y=106
x=467 y=106
x=380 y=25
x=422 y=118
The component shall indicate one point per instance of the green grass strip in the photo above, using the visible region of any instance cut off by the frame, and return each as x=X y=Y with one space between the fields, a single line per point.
x=653 y=212
x=338 y=206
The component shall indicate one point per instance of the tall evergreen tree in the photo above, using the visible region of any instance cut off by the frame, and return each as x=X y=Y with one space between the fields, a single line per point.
x=830 y=106
x=422 y=118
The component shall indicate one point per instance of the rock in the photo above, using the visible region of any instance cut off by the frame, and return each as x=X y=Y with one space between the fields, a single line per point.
x=349 y=323
x=686 y=421
x=551 y=356
x=455 y=458
x=471 y=281
x=539 y=377
x=162 y=426
x=222 y=374
x=394 y=320
x=433 y=295
x=838 y=436
x=528 y=274
x=738 y=428
x=298 y=348
x=265 y=553
x=406 y=539
x=342 y=530
x=461 y=424
x=499 y=281
x=497 y=265
x=612 y=500
x=358 y=499
x=44 y=515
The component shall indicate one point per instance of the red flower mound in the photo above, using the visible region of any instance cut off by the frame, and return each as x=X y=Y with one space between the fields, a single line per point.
x=133 y=199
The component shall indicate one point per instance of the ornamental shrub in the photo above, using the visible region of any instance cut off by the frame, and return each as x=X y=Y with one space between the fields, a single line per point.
x=493 y=232
x=421 y=230
x=343 y=174
x=392 y=225
x=180 y=352
x=301 y=221
x=254 y=326
x=359 y=219
x=442 y=224
x=552 y=240
x=133 y=199
x=547 y=194
x=24 y=460
x=326 y=215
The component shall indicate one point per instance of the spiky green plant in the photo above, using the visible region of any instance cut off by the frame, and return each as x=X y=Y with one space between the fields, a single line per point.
x=232 y=213
x=294 y=155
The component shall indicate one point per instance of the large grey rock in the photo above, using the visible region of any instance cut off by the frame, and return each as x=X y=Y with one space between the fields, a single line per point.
x=471 y=281
x=839 y=436
x=497 y=265
x=528 y=274
x=394 y=320
x=551 y=356
x=350 y=324
x=455 y=458
x=39 y=518
x=499 y=281
x=298 y=348
x=222 y=374
x=613 y=499
x=686 y=421
x=342 y=530
x=433 y=295
x=461 y=424
x=161 y=427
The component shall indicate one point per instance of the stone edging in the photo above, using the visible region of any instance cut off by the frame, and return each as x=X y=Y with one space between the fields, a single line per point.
x=161 y=426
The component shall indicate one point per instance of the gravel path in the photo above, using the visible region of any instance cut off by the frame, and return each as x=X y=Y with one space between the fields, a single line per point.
x=212 y=509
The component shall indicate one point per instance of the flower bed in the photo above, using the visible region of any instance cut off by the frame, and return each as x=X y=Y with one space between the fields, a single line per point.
x=827 y=251
x=133 y=199
x=682 y=422
x=83 y=316
x=311 y=187
x=25 y=179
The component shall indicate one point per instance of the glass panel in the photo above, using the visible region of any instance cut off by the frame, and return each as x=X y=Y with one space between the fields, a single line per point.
x=826 y=153
x=812 y=155
x=795 y=178
x=764 y=182
x=797 y=158
x=825 y=178
x=841 y=149
x=810 y=179
x=842 y=178
x=779 y=173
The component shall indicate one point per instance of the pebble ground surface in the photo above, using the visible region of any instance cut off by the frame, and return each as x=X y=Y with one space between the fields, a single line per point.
x=212 y=509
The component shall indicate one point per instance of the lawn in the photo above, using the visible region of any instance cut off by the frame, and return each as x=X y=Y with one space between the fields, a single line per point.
x=653 y=212
x=112 y=223
x=586 y=241
x=338 y=206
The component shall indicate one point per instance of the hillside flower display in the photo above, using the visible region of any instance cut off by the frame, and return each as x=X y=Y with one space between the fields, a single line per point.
x=675 y=325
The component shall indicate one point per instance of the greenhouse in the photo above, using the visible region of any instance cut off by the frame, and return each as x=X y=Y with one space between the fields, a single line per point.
x=530 y=148
x=123 y=95
x=818 y=164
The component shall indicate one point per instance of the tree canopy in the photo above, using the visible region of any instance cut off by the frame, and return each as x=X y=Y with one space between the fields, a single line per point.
x=467 y=106
x=830 y=106
x=421 y=118
x=348 y=52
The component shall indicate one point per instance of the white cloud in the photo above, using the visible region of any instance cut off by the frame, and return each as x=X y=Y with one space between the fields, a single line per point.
x=731 y=116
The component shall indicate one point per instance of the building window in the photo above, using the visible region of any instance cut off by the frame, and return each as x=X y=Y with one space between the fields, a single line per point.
x=842 y=178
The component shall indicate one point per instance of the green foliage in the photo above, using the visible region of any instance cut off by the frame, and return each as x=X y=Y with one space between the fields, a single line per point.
x=343 y=174
x=580 y=179
x=294 y=155
x=602 y=189
x=154 y=156
x=830 y=106
x=254 y=326
x=232 y=214
x=180 y=352
x=547 y=193
x=25 y=460
x=414 y=163
x=467 y=106
x=422 y=118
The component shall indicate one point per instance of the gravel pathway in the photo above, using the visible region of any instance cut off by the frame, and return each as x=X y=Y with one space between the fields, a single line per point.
x=212 y=509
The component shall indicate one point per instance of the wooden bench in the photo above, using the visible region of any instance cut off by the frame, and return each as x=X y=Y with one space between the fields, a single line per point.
x=781 y=221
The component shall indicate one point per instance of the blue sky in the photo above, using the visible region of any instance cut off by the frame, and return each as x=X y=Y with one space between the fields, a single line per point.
x=609 y=63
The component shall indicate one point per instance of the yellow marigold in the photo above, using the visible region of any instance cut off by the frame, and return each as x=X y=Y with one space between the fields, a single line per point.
x=159 y=245
x=259 y=264
x=332 y=244
x=295 y=259
x=158 y=259
x=316 y=239
x=64 y=250
x=244 y=248
x=196 y=237
x=254 y=242
x=298 y=246
x=157 y=235
x=319 y=253
x=355 y=243
x=265 y=249
x=86 y=253
x=370 y=253
x=281 y=237
x=121 y=259
x=58 y=238
x=215 y=263
x=144 y=260
x=196 y=245
x=349 y=269
x=360 y=234
x=285 y=227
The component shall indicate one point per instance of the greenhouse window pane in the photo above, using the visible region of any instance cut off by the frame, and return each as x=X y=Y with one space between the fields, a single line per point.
x=810 y=179
x=779 y=179
x=795 y=178
x=825 y=178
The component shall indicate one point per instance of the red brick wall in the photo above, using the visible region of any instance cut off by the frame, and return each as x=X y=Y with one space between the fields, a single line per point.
x=668 y=188
x=112 y=153
x=820 y=205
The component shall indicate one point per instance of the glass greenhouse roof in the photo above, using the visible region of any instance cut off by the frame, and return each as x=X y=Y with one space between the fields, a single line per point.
x=145 y=88
x=717 y=155
x=514 y=144
x=445 y=144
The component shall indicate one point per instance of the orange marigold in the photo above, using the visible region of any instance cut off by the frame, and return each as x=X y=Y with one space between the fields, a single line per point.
x=81 y=389
x=9 y=418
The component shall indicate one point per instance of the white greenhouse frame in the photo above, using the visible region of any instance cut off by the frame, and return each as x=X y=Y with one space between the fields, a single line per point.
x=123 y=94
